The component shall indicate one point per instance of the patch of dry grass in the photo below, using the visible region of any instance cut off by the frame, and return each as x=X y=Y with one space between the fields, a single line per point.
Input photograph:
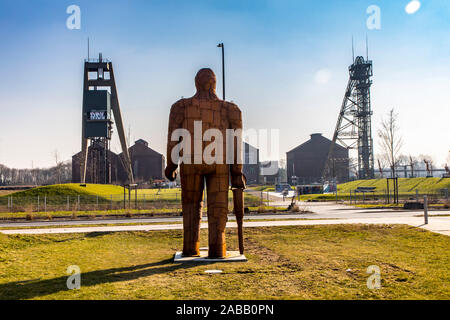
x=301 y=262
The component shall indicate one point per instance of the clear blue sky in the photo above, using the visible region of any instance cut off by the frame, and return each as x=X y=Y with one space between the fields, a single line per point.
x=276 y=52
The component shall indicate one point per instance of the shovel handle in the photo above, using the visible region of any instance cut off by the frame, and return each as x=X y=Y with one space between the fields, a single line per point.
x=238 y=203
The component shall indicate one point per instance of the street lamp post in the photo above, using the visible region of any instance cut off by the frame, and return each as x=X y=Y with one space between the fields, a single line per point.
x=221 y=45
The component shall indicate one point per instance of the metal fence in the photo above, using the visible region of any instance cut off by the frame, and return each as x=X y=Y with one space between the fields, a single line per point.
x=438 y=196
x=87 y=203
x=74 y=203
x=132 y=201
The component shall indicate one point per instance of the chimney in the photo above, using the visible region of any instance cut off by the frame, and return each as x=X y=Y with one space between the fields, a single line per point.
x=314 y=136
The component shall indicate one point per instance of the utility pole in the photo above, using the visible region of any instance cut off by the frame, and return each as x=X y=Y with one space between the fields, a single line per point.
x=221 y=45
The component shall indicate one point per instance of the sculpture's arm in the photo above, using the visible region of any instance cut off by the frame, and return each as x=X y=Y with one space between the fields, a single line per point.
x=235 y=120
x=175 y=122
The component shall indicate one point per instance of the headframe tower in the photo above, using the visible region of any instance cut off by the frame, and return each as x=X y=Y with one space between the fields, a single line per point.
x=354 y=125
x=99 y=99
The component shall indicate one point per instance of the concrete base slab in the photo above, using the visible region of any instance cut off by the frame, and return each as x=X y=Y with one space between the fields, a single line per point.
x=232 y=256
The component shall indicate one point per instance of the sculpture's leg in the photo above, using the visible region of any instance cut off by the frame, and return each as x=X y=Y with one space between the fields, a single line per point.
x=192 y=192
x=217 y=189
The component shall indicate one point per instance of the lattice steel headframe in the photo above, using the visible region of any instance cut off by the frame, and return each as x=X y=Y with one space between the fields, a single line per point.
x=99 y=99
x=354 y=128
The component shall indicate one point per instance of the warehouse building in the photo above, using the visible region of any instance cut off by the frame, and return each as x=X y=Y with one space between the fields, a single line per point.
x=96 y=163
x=146 y=163
x=251 y=167
x=307 y=161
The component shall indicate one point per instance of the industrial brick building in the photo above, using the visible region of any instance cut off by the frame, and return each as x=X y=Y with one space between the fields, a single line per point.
x=251 y=167
x=307 y=161
x=95 y=163
x=146 y=163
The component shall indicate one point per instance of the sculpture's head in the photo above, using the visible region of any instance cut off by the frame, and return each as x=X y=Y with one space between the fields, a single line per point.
x=205 y=82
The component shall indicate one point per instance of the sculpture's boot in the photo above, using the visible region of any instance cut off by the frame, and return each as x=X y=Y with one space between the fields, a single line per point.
x=217 y=189
x=191 y=226
x=192 y=205
x=216 y=225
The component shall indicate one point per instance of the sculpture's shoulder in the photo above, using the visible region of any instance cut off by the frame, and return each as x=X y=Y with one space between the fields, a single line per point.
x=231 y=106
x=233 y=110
x=177 y=112
x=179 y=105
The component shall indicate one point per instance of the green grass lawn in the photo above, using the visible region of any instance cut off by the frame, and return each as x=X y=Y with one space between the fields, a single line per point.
x=308 y=262
x=266 y=188
x=120 y=212
x=405 y=185
x=170 y=211
x=101 y=190
x=107 y=199
x=263 y=188
x=407 y=188
x=89 y=213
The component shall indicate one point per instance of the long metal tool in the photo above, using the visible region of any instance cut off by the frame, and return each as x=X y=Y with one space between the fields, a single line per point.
x=238 y=203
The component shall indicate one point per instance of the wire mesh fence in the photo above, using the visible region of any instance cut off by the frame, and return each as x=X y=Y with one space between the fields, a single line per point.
x=75 y=203
x=440 y=196
x=172 y=202
x=88 y=202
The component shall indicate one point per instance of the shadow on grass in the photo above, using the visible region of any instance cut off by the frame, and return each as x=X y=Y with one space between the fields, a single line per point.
x=97 y=234
x=38 y=288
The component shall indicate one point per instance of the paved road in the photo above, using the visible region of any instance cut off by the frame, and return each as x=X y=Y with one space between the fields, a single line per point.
x=319 y=211
x=136 y=220
x=333 y=210
x=329 y=213
x=437 y=224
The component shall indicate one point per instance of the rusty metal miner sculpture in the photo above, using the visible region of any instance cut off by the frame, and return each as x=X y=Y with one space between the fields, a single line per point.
x=200 y=126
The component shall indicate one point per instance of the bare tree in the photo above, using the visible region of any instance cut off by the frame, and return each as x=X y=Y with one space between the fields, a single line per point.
x=403 y=163
x=447 y=170
x=3 y=170
x=380 y=168
x=412 y=164
x=36 y=176
x=390 y=140
x=57 y=166
x=381 y=163
x=429 y=162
